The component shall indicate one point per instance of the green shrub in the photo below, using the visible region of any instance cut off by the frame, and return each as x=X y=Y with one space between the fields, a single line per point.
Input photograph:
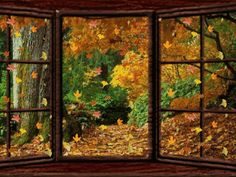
x=139 y=114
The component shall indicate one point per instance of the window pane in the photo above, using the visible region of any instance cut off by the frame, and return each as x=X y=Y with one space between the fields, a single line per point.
x=180 y=39
x=30 y=134
x=3 y=84
x=180 y=86
x=4 y=53
x=220 y=36
x=180 y=134
x=220 y=86
x=30 y=38
x=219 y=133
x=3 y=135
x=105 y=87
x=30 y=85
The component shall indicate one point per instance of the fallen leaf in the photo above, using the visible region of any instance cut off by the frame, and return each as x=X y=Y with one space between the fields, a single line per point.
x=225 y=151
x=17 y=34
x=223 y=103
x=76 y=138
x=220 y=55
x=170 y=92
x=98 y=70
x=93 y=103
x=66 y=146
x=11 y=21
x=89 y=55
x=187 y=21
x=194 y=34
x=213 y=76
x=39 y=125
x=22 y=131
x=197 y=81
x=34 y=75
x=73 y=46
x=104 y=83
x=77 y=94
x=34 y=29
x=6 y=54
x=11 y=67
x=96 y=114
x=100 y=36
x=16 y=117
x=18 y=80
x=167 y=45
x=119 y=121
x=210 y=28
x=102 y=127
x=44 y=56
x=44 y=102
x=208 y=138
x=107 y=97
x=48 y=152
x=6 y=99
x=197 y=130
x=171 y=141
x=116 y=31
x=214 y=124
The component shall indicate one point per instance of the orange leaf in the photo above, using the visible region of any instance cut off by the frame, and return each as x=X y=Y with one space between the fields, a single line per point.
x=170 y=92
x=6 y=99
x=34 y=29
x=6 y=54
x=171 y=141
x=39 y=125
x=34 y=75
x=96 y=114
x=214 y=124
x=76 y=138
x=93 y=103
x=119 y=121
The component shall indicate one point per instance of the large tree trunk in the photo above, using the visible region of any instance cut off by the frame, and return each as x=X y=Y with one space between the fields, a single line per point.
x=34 y=90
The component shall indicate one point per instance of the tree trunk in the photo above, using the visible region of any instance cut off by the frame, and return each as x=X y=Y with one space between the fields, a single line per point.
x=34 y=90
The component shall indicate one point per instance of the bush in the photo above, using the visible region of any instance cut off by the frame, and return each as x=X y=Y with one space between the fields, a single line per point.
x=139 y=114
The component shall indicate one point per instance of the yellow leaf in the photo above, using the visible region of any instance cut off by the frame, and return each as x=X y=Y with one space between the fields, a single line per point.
x=171 y=141
x=104 y=83
x=17 y=34
x=213 y=76
x=77 y=94
x=44 y=56
x=210 y=28
x=197 y=81
x=73 y=46
x=100 y=36
x=194 y=34
x=223 y=103
x=103 y=127
x=34 y=29
x=119 y=121
x=197 y=130
x=167 y=45
x=39 y=125
x=214 y=124
x=208 y=138
x=66 y=146
x=48 y=152
x=225 y=151
x=18 y=80
x=129 y=137
x=41 y=139
x=116 y=31
x=22 y=131
x=44 y=102
x=76 y=138
x=220 y=55
x=170 y=92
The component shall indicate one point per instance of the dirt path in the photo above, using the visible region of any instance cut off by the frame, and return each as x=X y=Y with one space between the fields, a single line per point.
x=113 y=140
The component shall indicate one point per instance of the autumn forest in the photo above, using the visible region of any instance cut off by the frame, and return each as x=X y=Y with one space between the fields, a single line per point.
x=106 y=87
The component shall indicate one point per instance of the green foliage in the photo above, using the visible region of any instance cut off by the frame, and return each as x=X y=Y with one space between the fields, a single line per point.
x=139 y=114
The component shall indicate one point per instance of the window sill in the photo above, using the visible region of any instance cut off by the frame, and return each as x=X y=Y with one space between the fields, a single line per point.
x=112 y=169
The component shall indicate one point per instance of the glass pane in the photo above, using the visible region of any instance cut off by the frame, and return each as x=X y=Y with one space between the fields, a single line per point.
x=220 y=36
x=180 y=86
x=220 y=86
x=30 y=38
x=180 y=134
x=30 y=134
x=105 y=87
x=3 y=135
x=4 y=53
x=219 y=133
x=4 y=100
x=180 y=39
x=30 y=85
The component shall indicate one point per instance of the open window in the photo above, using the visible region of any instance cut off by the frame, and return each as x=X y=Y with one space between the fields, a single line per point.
x=26 y=86
x=197 y=64
x=84 y=85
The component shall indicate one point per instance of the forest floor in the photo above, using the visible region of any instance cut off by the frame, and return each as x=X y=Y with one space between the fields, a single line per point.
x=180 y=136
x=111 y=140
